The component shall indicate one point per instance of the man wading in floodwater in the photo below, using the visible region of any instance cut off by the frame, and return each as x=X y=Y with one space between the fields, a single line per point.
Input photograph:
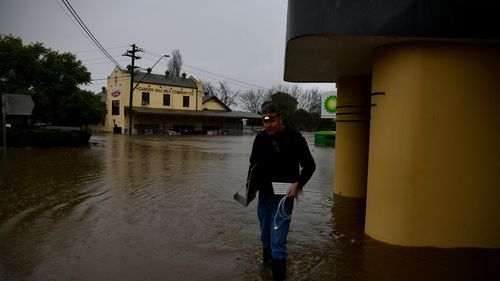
x=280 y=157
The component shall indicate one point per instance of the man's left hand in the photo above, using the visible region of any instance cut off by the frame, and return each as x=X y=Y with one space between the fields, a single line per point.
x=293 y=190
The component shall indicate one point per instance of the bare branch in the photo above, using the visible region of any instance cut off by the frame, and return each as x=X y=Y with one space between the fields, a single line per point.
x=175 y=63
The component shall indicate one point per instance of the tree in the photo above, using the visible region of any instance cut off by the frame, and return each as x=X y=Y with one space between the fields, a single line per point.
x=288 y=105
x=251 y=100
x=302 y=108
x=17 y=70
x=52 y=79
x=223 y=92
x=309 y=100
x=279 y=88
x=83 y=107
x=175 y=63
x=208 y=88
x=226 y=95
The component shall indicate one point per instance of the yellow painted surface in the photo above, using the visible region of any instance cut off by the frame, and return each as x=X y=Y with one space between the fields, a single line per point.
x=119 y=81
x=351 y=145
x=213 y=105
x=434 y=156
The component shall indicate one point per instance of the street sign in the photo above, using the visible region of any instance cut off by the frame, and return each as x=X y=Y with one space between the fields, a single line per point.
x=18 y=104
x=12 y=105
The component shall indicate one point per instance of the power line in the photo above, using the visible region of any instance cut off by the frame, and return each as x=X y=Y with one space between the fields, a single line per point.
x=219 y=76
x=88 y=32
x=208 y=74
x=100 y=79
x=89 y=56
x=95 y=50
x=228 y=78
x=71 y=18
x=211 y=78
x=98 y=62
x=100 y=59
x=199 y=75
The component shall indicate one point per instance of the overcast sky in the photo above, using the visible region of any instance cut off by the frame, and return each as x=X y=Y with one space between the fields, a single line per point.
x=219 y=40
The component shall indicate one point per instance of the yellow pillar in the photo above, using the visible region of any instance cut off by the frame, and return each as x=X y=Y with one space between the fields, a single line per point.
x=351 y=145
x=434 y=160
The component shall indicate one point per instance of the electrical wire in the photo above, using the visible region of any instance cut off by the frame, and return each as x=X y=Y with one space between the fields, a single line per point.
x=281 y=212
x=213 y=75
x=94 y=50
x=73 y=20
x=208 y=74
x=88 y=32
x=218 y=77
x=228 y=78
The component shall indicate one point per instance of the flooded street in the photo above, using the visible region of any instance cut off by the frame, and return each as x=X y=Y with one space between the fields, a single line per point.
x=161 y=208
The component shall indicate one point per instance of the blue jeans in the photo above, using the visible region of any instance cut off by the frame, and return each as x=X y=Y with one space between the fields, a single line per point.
x=270 y=237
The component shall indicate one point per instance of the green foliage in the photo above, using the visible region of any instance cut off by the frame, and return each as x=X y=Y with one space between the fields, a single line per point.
x=17 y=71
x=52 y=79
x=83 y=107
x=300 y=118
x=45 y=138
x=287 y=103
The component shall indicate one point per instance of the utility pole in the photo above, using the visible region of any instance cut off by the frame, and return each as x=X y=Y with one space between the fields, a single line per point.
x=5 y=158
x=131 y=53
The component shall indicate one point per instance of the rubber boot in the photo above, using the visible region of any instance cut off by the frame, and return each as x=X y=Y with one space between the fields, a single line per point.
x=267 y=257
x=279 y=270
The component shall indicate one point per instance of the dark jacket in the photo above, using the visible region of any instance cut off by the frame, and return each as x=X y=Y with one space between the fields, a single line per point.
x=283 y=158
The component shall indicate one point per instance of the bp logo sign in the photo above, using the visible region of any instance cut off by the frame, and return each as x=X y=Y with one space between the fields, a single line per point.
x=329 y=104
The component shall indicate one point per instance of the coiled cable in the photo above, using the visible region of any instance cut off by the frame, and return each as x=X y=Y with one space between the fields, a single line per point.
x=280 y=211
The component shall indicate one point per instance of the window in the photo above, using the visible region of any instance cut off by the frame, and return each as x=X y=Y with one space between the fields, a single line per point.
x=145 y=98
x=166 y=100
x=115 y=107
x=116 y=79
x=185 y=101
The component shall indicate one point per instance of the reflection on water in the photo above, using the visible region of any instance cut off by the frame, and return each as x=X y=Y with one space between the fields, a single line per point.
x=151 y=208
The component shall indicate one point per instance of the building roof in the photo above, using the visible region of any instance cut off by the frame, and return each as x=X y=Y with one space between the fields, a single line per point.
x=201 y=113
x=102 y=95
x=216 y=99
x=169 y=80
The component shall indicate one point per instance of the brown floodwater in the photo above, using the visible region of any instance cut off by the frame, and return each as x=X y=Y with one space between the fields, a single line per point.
x=161 y=208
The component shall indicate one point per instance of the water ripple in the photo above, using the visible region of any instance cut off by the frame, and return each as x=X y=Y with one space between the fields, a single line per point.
x=142 y=208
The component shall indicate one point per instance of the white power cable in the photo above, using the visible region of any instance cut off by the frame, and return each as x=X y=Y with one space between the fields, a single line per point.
x=281 y=211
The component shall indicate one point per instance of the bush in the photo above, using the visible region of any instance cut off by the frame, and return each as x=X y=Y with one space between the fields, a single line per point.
x=45 y=138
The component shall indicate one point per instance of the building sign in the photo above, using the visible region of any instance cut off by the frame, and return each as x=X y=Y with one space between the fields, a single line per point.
x=115 y=92
x=163 y=91
x=329 y=104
